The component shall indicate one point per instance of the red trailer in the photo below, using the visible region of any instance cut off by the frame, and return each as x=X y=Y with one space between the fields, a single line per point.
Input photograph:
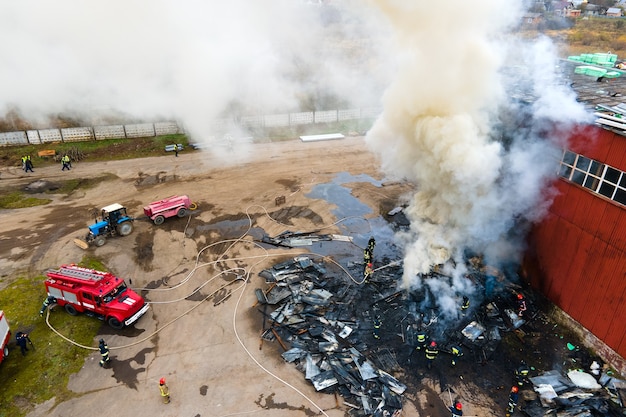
x=158 y=211
x=5 y=336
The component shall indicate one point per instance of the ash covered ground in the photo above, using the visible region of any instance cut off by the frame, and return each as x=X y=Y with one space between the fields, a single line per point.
x=367 y=340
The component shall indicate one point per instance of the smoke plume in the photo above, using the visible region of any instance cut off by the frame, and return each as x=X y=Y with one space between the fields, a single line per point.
x=440 y=129
x=193 y=62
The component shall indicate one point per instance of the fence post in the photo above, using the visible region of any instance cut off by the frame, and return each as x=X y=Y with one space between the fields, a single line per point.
x=125 y=135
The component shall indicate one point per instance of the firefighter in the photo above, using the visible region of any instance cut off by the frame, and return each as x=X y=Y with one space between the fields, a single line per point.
x=521 y=373
x=371 y=244
x=465 y=304
x=431 y=353
x=513 y=398
x=367 y=256
x=165 y=391
x=47 y=302
x=21 y=338
x=377 y=324
x=456 y=409
x=104 y=352
x=521 y=305
x=421 y=340
x=65 y=160
x=456 y=352
x=27 y=164
x=368 y=272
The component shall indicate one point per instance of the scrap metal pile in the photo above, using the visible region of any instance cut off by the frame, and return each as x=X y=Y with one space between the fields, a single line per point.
x=350 y=338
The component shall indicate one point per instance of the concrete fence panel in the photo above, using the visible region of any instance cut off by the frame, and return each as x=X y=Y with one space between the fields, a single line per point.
x=166 y=128
x=326 y=116
x=109 y=132
x=13 y=138
x=276 y=120
x=141 y=130
x=33 y=137
x=77 y=134
x=50 y=135
x=349 y=114
x=303 y=118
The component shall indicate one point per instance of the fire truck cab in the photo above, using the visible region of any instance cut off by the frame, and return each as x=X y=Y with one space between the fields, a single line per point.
x=5 y=336
x=95 y=293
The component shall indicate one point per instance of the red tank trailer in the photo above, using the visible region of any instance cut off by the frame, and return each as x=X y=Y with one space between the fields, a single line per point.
x=176 y=205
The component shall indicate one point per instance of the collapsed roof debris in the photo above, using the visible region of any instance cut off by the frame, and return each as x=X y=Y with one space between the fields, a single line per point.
x=359 y=340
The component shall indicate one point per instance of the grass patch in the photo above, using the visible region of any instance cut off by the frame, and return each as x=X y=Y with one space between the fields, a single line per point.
x=45 y=370
x=91 y=151
x=69 y=186
x=18 y=199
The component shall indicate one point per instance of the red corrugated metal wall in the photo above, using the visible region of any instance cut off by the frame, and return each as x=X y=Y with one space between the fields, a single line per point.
x=577 y=254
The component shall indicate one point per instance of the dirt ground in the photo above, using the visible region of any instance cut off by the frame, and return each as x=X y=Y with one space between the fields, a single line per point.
x=202 y=332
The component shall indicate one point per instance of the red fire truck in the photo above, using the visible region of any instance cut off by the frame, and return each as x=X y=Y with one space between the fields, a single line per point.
x=101 y=294
x=5 y=336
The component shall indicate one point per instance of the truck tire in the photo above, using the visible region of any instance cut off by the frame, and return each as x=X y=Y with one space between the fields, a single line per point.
x=115 y=323
x=124 y=229
x=181 y=212
x=100 y=241
x=159 y=220
x=6 y=351
x=70 y=310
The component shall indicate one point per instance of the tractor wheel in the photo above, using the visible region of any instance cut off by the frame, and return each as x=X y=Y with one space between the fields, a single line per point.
x=159 y=220
x=70 y=310
x=100 y=240
x=115 y=323
x=181 y=212
x=124 y=229
x=6 y=351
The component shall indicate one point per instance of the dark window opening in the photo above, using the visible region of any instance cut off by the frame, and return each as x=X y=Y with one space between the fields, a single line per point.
x=583 y=163
x=578 y=177
x=612 y=175
x=606 y=189
x=596 y=168
x=569 y=157
x=591 y=182
x=620 y=196
x=565 y=171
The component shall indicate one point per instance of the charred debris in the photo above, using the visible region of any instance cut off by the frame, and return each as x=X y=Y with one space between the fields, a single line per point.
x=357 y=338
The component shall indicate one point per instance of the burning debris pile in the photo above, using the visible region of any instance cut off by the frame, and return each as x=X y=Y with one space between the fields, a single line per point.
x=329 y=328
x=361 y=338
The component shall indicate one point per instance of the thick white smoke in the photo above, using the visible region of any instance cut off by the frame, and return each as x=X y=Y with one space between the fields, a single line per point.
x=194 y=61
x=437 y=130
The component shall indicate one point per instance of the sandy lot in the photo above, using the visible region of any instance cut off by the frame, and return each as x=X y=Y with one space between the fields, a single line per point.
x=202 y=332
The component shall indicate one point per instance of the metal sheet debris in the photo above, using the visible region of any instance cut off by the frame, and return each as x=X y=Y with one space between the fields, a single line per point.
x=347 y=337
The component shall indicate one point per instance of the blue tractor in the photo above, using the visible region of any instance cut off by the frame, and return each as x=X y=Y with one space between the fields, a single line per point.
x=114 y=222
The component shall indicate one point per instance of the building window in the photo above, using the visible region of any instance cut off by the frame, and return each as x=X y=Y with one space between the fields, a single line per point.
x=593 y=175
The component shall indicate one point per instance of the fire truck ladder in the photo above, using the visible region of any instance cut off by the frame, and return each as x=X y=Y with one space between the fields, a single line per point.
x=80 y=274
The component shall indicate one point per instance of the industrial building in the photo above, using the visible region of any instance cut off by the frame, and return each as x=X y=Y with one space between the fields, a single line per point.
x=576 y=255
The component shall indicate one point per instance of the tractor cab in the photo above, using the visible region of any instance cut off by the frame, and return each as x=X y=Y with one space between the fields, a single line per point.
x=114 y=214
